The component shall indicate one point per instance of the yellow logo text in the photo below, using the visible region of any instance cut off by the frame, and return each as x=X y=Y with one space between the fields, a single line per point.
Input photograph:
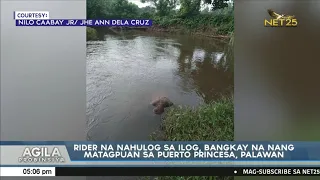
x=281 y=23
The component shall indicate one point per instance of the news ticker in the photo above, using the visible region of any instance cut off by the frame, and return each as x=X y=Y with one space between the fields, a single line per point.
x=160 y=153
x=159 y=171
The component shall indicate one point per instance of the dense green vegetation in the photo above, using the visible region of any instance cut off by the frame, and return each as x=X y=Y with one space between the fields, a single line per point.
x=208 y=122
x=92 y=34
x=170 y=15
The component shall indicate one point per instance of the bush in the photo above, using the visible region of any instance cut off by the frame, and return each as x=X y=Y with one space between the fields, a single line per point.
x=92 y=34
x=208 y=122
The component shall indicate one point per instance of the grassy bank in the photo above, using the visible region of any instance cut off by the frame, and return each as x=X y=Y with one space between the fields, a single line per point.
x=212 y=18
x=216 y=23
x=208 y=122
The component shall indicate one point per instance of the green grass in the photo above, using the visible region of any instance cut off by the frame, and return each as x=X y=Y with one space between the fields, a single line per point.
x=92 y=34
x=208 y=122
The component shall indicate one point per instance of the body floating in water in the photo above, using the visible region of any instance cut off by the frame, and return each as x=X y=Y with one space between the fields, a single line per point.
x=160 y=104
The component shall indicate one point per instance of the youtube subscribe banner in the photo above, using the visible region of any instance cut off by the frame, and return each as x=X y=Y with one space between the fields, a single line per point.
x=158 y=171
x=161 y=154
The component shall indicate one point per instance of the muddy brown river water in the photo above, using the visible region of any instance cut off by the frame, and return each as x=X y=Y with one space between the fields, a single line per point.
x=126 y=72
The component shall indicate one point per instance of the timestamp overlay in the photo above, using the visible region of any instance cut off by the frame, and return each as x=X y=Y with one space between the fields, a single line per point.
x=28 y=171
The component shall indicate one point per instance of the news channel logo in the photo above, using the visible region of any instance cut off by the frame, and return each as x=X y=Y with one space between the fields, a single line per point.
x=280 y=20
x=41 y=155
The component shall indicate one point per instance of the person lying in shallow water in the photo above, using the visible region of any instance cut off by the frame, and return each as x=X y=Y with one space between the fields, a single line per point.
x=160 y=104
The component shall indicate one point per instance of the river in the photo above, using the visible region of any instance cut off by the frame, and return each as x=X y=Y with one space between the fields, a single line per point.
x=126 y=72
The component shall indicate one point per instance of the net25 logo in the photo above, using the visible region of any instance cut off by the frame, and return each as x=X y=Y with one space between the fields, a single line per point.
x=41 y=155
x=280 y=20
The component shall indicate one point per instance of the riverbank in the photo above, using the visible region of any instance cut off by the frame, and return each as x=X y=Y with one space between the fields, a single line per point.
x=208 y=122
x=187 y=27
x=217 y=24
x=210 y=32
x=92 y=33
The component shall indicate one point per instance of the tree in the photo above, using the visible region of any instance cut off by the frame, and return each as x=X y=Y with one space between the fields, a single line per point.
x=163 y=7
x=218 y=4
x=147 y=12
x=124 y=9
x=109 y=9
x=98 y=9
x=190 y=7
x=148 y=9
x=206 y=10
